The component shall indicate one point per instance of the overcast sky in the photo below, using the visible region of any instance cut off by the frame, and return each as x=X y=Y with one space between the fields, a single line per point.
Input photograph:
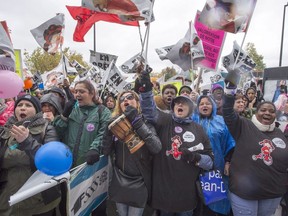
x=170 y=25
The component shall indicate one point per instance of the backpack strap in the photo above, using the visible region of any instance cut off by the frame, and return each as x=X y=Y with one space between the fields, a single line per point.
x=100 y=109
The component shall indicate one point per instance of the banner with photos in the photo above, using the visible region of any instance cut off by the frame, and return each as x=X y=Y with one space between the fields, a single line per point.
x=187 y=49
x=49 y=35
x=231 y=16
x=126 y=10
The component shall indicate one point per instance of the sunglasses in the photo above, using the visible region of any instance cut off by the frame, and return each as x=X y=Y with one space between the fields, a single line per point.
x=128 y=97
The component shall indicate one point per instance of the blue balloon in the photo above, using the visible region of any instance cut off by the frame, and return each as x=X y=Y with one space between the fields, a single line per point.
x=53 y=158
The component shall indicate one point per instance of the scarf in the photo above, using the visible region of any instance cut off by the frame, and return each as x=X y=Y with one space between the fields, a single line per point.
x=35 y=120
x=186 y=120
x=262 y=127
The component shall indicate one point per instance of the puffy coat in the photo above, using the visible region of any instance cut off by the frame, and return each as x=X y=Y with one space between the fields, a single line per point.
x=9 y=111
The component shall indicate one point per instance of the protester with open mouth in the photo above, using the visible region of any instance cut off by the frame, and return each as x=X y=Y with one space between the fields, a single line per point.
x=176 y=168
x=133 y=158
x=23 y=134
x=81 y=126
x=258 y=171
x=222 y=144
x=163 y=101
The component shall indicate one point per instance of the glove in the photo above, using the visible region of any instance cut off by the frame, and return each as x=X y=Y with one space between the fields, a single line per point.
x=131 y=113
x=143 y=83
x=189 y=156
x=92 y=156
x=133 y=117
x=232 y=79
x=69 y=107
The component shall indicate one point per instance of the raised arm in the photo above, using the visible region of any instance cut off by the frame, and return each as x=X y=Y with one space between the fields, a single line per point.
x=143 y=86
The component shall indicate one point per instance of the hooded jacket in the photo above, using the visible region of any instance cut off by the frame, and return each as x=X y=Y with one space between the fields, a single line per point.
x=53 y=100
x=221 y=141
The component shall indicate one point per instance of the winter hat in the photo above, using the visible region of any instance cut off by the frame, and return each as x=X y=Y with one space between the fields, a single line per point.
x=57 y=90
x=185 y=87
x=34 y=100
x=216 y=86
x=186 y=99
x=52 y=99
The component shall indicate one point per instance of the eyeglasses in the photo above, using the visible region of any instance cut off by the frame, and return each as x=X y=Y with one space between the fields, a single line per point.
x=128 y=97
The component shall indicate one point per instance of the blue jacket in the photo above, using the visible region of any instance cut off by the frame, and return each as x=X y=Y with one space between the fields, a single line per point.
x=221 y=142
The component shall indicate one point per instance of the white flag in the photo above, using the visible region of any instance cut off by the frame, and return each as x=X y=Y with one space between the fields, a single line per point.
x=116 y=82
x=188 y=47
x=49 y=35
x=244 y=62
x=131 y=64
x=163 y=51
x=102 y=60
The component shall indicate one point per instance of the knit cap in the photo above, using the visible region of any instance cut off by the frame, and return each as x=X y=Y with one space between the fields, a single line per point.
x=216 y=86
x=34 y=100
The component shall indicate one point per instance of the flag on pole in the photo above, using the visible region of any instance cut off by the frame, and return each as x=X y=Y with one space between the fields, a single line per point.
x=79 y=68
x=86 y=18
x=163 y=51
x=244 y=62
x=188 y=47
x=7 y=57
x=4 y=25
x=228 y=15
x=69 y=69
x=197 y=51
x=49 y=35
x=131 y=64
x=127 y=10
x=116 y=81
x=102 y=60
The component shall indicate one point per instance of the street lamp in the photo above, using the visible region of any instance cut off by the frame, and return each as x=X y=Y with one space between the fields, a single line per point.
x=283 y=25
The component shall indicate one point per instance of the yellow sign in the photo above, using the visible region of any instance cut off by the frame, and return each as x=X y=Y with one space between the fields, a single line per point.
x=18 y=63
x=177 y=83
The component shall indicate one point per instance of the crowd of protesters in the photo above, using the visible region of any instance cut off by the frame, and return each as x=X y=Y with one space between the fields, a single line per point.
x=237 y=130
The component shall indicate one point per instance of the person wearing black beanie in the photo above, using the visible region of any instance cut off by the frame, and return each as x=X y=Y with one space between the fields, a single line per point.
x=34 y=100
x=20 y=138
